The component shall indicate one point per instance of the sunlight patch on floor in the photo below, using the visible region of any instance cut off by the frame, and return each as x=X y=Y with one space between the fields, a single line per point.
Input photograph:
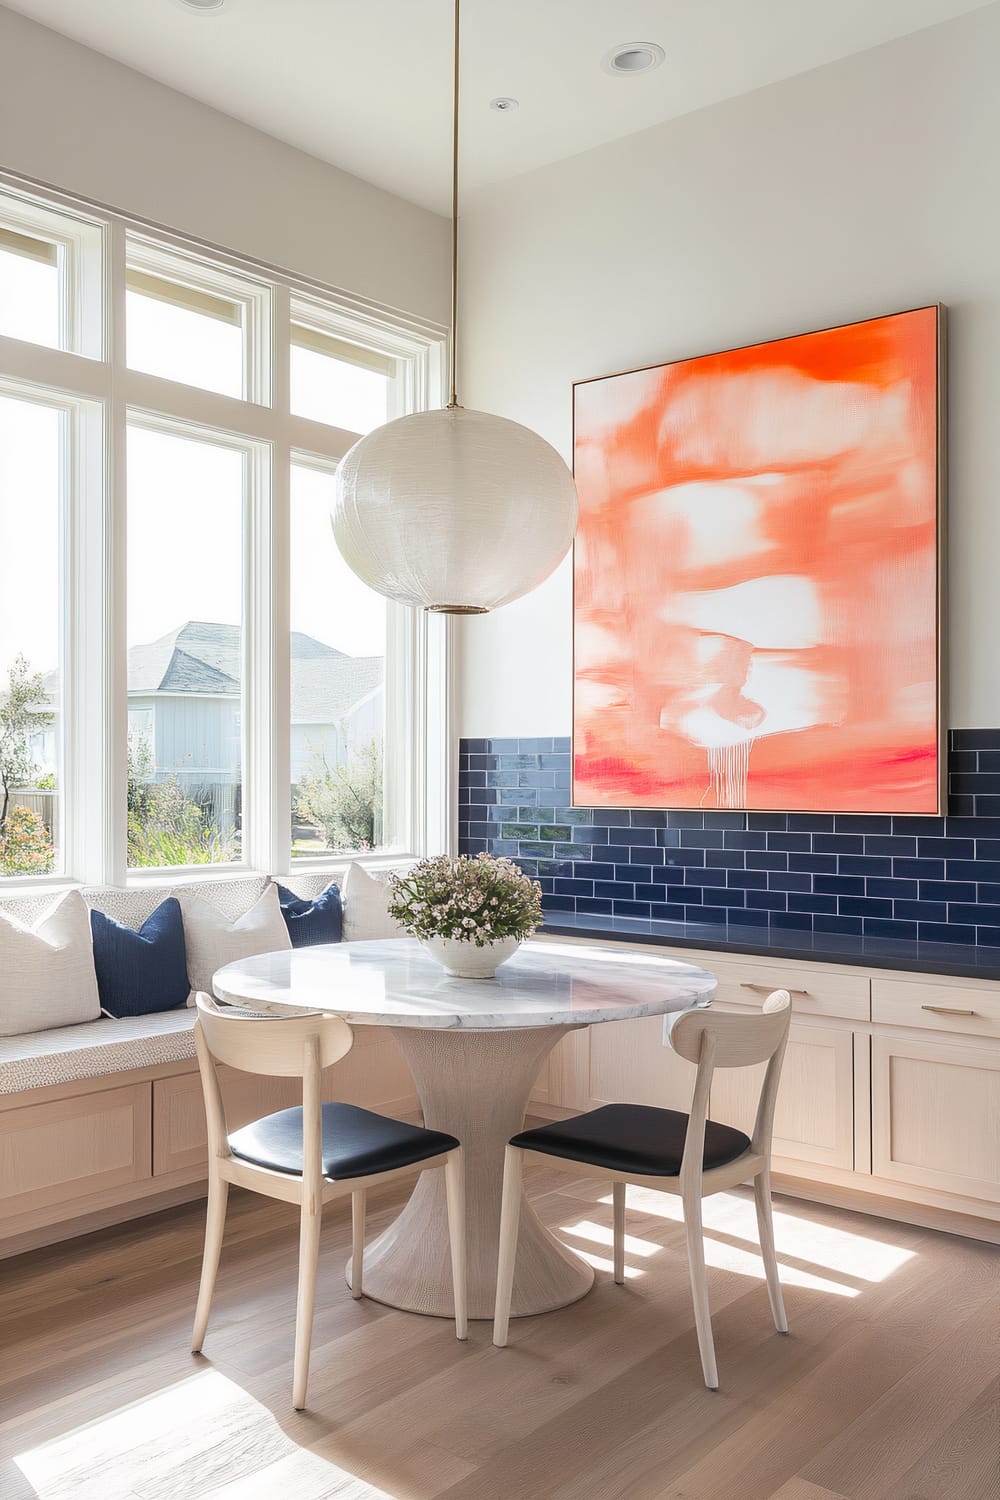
x=806 y=1249
x=602 y=1234
x=222 y=1443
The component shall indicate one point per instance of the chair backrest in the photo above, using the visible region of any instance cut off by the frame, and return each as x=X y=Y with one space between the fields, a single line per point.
x=719 y=1039
x=275 y=1046
x=278 y=1047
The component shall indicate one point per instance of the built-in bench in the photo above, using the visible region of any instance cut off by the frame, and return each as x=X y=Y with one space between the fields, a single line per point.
x=104 y=1120
x=47 y=1059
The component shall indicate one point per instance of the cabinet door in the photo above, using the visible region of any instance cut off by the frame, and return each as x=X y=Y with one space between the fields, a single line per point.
x=936 y=1115
x=54 y=1152
x=814 y=1117
x=627 y=1063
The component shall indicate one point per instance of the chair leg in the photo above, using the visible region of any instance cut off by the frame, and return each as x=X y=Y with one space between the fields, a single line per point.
x=619 y=1232
x=510 y=1214
x=358 y=1241
x=699 y=1290
x=765 y=1230
x=215 y=1223
x=454 y=1179
x=309 y=1227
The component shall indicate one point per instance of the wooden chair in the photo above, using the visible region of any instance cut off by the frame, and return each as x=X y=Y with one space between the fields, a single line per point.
x=308 y=1155
x=690 y=1155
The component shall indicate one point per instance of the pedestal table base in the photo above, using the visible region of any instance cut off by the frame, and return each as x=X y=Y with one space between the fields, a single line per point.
x=475 y=1085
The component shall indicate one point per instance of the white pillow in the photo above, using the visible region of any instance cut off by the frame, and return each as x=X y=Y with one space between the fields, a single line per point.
x=47 y=976
x=365 y=901
x=213 y=939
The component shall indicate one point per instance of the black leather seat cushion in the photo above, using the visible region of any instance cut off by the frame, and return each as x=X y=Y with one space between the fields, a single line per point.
x=633 y=1138
x=356 y=1142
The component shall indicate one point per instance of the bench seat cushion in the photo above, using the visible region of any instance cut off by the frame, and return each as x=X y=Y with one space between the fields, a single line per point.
x=42 y=1059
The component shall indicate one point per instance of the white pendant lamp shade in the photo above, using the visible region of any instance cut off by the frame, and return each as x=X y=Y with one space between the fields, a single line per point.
x=454 y=511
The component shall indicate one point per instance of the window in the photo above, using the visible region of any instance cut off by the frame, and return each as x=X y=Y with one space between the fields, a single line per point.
x=198 y=679
x=51 y=277
x=192 y=321
x=183 y=334
x=29 y=288
x=185 y=649
x=338 y=647
x=337 y=382
x=30 y=633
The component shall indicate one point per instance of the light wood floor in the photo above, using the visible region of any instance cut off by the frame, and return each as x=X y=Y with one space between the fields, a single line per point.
x=885 y=1389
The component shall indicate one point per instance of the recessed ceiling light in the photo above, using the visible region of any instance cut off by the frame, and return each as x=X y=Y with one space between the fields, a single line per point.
x=203 y=7
x=503 y=105
x=633 y=57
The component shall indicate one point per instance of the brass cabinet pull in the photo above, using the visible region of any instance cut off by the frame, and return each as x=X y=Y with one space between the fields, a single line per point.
x=948 y=1010
x=768 y=989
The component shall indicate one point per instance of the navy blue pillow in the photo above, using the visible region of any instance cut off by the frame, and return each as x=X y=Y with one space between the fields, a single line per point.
x=145 y=971
x=311 y=922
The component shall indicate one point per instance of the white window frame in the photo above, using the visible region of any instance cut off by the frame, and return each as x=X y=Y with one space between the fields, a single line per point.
x=103 y=395
x=187 y=270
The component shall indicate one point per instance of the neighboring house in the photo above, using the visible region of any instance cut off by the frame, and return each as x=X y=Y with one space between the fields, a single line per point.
x=184 y=705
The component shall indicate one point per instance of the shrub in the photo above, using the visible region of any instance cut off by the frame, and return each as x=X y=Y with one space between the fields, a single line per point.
x=165 y=827
x=25 y=844
x=345 y=801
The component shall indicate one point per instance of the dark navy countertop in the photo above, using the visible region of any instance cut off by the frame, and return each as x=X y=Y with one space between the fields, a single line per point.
x=814 y=947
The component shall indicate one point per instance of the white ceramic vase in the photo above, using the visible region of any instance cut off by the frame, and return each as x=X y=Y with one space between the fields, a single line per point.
x=466 y=960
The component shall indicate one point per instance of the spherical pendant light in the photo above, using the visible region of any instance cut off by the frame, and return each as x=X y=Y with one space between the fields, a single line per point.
x=454 y=511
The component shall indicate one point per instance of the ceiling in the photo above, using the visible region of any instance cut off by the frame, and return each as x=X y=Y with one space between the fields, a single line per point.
x=366 y=84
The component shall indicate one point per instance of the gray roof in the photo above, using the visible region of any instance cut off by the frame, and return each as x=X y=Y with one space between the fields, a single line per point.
x=204 y=657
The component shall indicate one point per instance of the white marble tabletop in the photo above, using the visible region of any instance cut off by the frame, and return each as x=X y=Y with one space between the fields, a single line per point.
x=396 y=983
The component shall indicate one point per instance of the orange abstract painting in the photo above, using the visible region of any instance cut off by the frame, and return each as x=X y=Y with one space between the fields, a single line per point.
x=757 y=576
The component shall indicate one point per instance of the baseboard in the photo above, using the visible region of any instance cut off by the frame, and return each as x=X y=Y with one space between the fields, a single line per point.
x=101 y=1218
x=879 y=1206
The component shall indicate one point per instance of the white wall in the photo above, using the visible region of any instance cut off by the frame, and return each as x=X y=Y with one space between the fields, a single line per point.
x=863 y=188
x=79 y=121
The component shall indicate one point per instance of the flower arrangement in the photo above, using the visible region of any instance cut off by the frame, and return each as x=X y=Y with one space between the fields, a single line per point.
x=479 y=899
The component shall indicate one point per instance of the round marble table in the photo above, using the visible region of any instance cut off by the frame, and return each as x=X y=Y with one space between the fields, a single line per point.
x=474 y=1048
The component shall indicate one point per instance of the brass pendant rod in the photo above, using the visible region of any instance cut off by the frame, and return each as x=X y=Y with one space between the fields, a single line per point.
x=453 y=355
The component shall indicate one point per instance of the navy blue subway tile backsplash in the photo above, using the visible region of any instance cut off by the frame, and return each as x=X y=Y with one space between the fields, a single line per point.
x=907 y=878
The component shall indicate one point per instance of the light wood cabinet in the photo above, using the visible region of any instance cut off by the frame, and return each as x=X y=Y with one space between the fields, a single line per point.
x=814 y=1117
x=889 y=1096
x=627 y=1062
x=54 y=1154
x=936 y=1114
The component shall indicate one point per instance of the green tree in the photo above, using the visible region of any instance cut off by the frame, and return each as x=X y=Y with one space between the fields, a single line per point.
x=345 y=801
x=21 y=716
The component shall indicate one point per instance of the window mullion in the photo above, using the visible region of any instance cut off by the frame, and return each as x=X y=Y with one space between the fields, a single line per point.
x=114 y=579
x=96 y=768
x=266 y=811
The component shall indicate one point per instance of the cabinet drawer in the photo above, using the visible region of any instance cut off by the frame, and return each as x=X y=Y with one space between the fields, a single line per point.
x=936 y=1007
x=748 y=982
